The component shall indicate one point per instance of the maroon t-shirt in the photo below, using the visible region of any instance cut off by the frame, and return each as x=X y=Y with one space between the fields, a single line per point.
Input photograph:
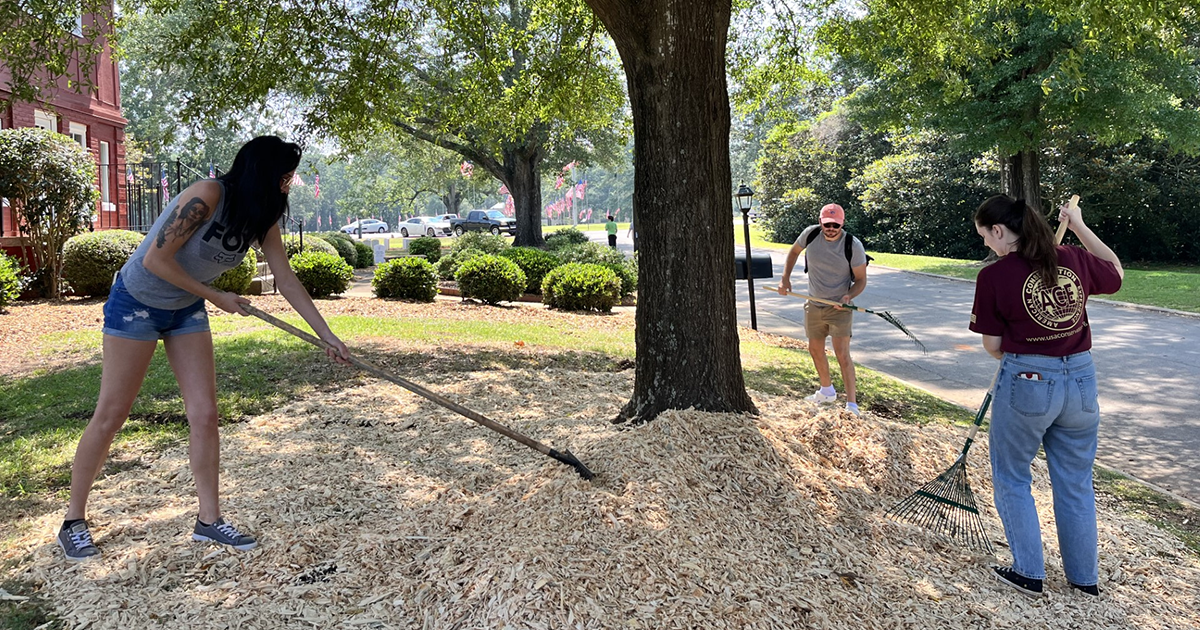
x=1013 y=303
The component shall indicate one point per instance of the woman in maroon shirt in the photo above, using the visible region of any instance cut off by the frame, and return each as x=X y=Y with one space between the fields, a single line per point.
x=1030 y=309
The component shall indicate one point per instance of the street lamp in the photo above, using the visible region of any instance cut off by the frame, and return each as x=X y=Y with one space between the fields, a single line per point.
x=744 y=199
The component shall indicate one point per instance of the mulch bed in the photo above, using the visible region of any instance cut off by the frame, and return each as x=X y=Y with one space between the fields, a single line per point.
x=377 y=509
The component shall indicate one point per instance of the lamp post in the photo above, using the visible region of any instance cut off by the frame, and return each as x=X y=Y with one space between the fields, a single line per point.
x=744 y=198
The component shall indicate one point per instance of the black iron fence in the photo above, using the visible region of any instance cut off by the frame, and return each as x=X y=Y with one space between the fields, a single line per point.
x=148 y=187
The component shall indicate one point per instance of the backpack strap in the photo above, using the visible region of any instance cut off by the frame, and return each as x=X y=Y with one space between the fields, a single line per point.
x=812 y=236
x=849 y=245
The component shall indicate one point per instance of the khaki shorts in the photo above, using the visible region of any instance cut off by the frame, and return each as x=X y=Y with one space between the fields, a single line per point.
x=822 y=321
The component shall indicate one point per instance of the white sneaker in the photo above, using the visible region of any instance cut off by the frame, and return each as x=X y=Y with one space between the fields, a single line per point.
x=818 y=397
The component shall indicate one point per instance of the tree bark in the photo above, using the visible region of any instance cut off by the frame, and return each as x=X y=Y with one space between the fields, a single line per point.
x=1020 y=177
x=525 y=185
x=673 y=52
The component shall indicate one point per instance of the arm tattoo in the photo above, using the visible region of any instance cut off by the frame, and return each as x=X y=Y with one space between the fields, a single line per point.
x=183 y=221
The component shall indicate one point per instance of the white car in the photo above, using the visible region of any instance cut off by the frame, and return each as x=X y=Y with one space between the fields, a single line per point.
x=369 y=226
x=426 y=226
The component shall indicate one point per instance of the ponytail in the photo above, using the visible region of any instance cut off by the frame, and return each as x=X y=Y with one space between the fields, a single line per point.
x=1035 y=239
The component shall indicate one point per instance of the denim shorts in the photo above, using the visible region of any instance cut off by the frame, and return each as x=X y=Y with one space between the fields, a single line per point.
x=126 y=317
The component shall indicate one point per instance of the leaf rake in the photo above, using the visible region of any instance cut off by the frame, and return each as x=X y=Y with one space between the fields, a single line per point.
x=887 y=317
x=946 y=505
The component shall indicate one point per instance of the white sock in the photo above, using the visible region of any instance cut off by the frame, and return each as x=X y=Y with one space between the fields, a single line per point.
x=828 y=391
x=852 y=406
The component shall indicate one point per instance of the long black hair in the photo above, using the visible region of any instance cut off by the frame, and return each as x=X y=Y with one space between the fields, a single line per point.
x=1035 y=239
x=253 y=200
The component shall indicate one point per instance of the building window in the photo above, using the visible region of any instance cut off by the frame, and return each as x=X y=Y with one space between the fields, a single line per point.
x=79 y=134
x=105 y=200
x=45 y=120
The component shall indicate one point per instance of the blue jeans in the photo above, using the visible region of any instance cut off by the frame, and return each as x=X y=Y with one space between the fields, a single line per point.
x=1050 y=402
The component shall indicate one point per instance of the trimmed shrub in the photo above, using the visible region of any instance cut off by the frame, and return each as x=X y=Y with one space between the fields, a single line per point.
x=427 y=246
x=238 y=279
x=481 y=241
x=491 y=279
x=581 y=287
x=407 y=279
x=364 y=255
x=322 y=273
x=50 y=183
x=91 y=259
x=566 y=238
x=448 y=265
x=534 y=262
x=10 y=280
x=291 y=245
x=344 y=247
x=597 y=254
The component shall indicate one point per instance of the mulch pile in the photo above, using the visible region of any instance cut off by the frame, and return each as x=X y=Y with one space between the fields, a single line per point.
x=377 y=509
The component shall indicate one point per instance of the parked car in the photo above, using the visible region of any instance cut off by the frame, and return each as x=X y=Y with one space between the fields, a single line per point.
x=492 y=221
x=372 y=226
x=427 y=226
x=447 y=217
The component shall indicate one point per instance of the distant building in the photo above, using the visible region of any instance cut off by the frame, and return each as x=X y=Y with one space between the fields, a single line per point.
x=92 y=119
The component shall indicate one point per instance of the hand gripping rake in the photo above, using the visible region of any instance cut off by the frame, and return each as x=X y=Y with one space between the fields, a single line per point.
x=887 y=317
x=563 y=456
x=946 y=505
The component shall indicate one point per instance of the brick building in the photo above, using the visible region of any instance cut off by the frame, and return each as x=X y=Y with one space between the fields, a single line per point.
x=93 y=119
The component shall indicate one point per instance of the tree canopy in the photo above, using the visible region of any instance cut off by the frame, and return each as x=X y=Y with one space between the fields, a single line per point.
x=506 y=84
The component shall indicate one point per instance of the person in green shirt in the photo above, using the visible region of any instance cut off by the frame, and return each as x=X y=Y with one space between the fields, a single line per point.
x=611 y=227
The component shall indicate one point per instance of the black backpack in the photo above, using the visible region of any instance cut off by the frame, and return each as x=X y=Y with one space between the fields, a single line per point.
x=812 y=236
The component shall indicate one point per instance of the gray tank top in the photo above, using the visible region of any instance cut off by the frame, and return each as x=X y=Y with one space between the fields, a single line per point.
x=210 y=252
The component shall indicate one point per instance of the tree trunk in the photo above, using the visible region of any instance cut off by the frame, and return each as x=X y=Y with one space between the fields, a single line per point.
x=1020 y=177
x=452 y=200
x=525 y=186
x=673 y=52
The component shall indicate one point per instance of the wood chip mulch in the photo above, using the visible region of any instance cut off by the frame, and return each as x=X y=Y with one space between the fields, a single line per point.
x=377 y=509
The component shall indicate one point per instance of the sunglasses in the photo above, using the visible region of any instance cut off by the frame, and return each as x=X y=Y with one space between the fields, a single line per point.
x=831 y=226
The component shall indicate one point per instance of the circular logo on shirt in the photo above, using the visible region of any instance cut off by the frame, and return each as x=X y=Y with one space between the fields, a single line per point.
x=1057 y=308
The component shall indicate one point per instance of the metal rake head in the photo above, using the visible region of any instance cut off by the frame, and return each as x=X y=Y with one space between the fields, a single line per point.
x=895 y=321
x=946 y=506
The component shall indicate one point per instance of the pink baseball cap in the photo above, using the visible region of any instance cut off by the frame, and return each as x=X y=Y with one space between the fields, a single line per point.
x=833 y=213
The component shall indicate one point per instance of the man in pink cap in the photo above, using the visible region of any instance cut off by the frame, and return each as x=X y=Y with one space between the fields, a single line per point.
x=836 y=265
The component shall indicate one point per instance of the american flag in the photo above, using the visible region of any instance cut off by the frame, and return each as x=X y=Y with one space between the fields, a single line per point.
x=212 y=174
x=504 y=189
x=466 y=169
x=318 y=221
x=558 y=183
x=166 y=194
x=128 y=175
x=317 y=187
x=296 y=181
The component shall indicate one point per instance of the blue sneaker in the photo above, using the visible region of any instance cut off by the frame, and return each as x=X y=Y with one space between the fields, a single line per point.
x=76 y=542
x=223 y=533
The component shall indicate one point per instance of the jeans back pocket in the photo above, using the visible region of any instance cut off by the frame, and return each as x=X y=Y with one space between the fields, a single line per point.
x=1087 y=393
x=1030 y=397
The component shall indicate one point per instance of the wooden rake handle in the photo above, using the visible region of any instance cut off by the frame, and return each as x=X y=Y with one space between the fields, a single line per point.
x=563 y=456
x=817 y=299
x=1062 y=225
